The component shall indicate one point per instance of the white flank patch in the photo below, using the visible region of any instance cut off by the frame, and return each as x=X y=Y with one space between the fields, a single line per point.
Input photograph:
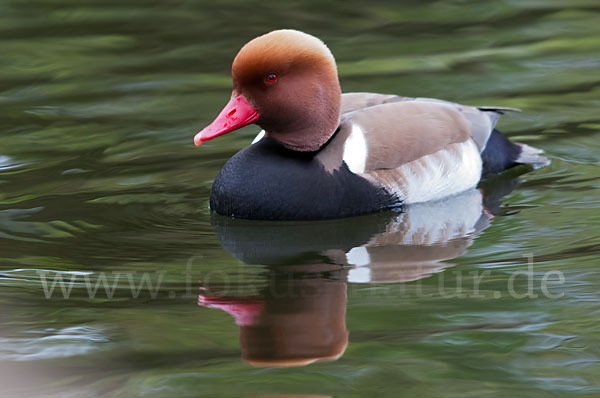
x=441 y=174
x=359 y=275
x=358 y=256
x=355 y=150
x=258 y=137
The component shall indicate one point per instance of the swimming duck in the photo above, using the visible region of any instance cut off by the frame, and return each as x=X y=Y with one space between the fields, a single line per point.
x=323 y=154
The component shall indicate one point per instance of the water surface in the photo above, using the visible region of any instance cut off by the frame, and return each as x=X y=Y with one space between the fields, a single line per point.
x=492 y=294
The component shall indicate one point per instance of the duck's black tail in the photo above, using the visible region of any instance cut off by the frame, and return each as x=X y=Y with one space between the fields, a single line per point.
x=500 y=154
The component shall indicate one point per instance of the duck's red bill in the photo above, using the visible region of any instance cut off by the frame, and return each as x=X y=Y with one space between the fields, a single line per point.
x=237 y=113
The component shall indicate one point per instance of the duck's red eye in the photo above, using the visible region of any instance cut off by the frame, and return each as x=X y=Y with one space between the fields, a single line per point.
x=271 y=77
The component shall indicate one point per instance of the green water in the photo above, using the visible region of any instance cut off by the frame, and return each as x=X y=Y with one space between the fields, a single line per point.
x=100 y=184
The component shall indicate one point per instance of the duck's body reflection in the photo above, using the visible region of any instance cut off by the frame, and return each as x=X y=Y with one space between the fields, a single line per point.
x=299 y=317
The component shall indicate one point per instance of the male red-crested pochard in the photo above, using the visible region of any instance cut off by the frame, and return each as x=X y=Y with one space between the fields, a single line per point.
x=325 y=154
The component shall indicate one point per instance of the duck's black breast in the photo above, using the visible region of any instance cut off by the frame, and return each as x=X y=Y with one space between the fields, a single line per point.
x=266 y=181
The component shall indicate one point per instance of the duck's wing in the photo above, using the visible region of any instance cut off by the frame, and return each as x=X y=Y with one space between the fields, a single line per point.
x=418 y=148
x=392 y=134
x=481 y=119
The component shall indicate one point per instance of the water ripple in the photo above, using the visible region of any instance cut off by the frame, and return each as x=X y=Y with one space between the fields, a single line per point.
x=67 y=342
x=8 y=163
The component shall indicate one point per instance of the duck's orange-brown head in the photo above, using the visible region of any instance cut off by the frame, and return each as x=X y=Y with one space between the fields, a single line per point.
x=286 y=82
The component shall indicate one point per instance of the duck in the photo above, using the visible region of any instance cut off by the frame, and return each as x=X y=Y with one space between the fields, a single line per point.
x=322 y=154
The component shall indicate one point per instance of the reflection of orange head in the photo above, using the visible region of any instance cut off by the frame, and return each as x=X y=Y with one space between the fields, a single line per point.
x=304 y=321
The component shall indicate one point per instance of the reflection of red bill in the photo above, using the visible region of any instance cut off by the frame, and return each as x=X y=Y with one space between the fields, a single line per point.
x=243 y=309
